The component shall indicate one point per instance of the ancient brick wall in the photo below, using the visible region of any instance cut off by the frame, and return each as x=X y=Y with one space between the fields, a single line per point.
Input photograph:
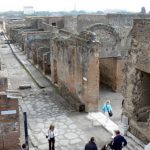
x=46 y=63
x=45 y=26
x=3 y=78
x=40 y=53
x=120 y=64
x=70 y=23
x=9 y=123
x=72 y=63
x=111 y=72
x=83 y=21
x=137 y=79
x=33 y=41
x=109 y=40
x=57 y=22
x=120 y=19
x=32 y=21
x=3 y=83
x=108 y=71
x=35 y=45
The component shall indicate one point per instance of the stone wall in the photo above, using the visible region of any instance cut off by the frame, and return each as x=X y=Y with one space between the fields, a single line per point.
x=46 y=63
x=33 y=21
x=83 y=21
x=107 y=71
x=40 y=53
x=72 y=63
x=9 y=121
x=46 y=27
x=34 y=40
x=3 y=78
x=120 y=65
x=35 y=45
x=137 y=79
x=57 y=22
x=120 y=19
x=70 y=23
x=111 y=72
x=3 y=83
x=109 y=40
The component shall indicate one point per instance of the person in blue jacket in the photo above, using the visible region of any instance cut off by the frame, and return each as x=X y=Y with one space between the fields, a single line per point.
x=106 y=109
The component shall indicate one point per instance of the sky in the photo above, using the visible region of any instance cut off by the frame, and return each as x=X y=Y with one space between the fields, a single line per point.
x=67 y=5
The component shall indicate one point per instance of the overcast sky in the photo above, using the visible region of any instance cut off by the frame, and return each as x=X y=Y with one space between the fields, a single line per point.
x=67 y=5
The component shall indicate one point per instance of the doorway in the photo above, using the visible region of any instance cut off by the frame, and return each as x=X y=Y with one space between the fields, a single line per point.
x=107 y=87
x=143 y=95
x=55 y=72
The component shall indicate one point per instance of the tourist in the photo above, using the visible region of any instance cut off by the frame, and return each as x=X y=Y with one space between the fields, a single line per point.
x=107 y=109
x=51 y=137
x=91 y=145
x=118 y=142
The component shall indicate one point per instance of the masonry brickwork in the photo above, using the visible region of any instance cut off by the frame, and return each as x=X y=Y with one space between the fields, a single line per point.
x=9 y=121
x=137 y=80
x=9 y=117
x=79 y=56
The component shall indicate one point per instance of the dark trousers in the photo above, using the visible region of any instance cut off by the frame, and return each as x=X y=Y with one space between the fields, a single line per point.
x=51 y=144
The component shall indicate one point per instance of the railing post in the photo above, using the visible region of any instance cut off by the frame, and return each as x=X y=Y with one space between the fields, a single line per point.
x=26 y=128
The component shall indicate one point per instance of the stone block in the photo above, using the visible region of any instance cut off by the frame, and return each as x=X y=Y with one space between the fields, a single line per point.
x=147 y=147
x=26 y=86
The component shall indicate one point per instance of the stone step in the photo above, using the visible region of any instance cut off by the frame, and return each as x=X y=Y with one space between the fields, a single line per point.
x=100 y=118
x=25 y=86
x=134 y=143
x=13 y=93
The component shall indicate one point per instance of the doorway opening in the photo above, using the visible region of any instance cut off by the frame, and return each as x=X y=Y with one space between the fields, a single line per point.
x=55 y=72
x=107 y=86
x=143 y=94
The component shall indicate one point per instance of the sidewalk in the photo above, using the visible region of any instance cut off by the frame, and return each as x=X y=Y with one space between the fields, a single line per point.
x=36 y=75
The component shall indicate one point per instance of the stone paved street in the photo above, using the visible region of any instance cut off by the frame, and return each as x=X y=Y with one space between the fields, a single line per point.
x=46 y=106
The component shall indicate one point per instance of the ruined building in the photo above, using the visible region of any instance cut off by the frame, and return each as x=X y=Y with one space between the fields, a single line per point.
x=80 y=54
x=137 y=80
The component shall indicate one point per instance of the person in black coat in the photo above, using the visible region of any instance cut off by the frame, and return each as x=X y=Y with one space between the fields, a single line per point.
x=91 y=145
x=118 y=142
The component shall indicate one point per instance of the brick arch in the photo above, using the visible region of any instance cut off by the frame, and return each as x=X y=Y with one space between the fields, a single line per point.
x=107 y=28
x=109 y=39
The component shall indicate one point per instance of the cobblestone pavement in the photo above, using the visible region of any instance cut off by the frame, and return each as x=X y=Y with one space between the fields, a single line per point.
x=45 y=106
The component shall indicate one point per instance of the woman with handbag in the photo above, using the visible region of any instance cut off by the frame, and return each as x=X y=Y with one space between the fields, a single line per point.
x=107 y=109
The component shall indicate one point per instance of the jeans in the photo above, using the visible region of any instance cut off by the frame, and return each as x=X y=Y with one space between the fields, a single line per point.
x=51 y=144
